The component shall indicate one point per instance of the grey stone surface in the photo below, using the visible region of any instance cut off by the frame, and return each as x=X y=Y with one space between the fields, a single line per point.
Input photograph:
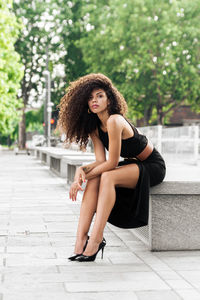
x=177 y=188
x=175 y=222
x=174 y=210
x=37 y=234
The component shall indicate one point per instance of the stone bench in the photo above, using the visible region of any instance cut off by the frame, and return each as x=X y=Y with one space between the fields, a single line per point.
x=32 y=151
x=37 y=151
x=63 y=161
x=52 y=156
x=71 y=162
x=174 y=217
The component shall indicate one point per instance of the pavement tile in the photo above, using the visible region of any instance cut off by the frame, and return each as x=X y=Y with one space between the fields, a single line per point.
x=183 y=262
x=60 y=218
x=103 y=267
x=3 y=240
x=41 y=295
x=178 y=284
x=32 y=286
x=192 y=276
x=28 y=260
x=112 y=250
x=189 y=294
x=101 y=295
x=61 y=226
x=158 y=295
x=152 y=261
x=1 y=259
x=124 y=258
x=86 y=277
x=136 y=245
x=126 y=236
x=36 y=252
x=20 y=270
x=115 y=286
x=26 y=227
x=27 y=241
x=169 y=274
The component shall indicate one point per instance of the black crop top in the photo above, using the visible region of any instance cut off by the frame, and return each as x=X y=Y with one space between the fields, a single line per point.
x=131 y=147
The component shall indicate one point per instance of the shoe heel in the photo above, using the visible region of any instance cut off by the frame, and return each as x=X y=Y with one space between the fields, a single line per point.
x=93 y=257
x=102 y=252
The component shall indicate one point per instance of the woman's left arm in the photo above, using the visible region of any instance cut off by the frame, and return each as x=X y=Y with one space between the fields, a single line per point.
x=114 y=127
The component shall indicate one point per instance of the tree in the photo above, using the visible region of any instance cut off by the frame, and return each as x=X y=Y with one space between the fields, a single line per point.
x=75 y=66
x=40 y=46
x=150 y=50
x=11 y=70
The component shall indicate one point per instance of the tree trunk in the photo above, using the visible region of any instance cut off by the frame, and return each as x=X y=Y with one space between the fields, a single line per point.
x=147 y=115
x=160 y=118
x=22 y=131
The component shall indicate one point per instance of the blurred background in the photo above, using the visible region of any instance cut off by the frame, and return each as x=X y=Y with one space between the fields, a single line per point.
x=149 y=48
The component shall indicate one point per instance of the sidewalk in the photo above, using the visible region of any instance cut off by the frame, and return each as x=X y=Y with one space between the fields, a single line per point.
x=37 y=234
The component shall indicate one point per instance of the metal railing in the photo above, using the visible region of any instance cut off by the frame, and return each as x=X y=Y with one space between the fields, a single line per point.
x=176 y=144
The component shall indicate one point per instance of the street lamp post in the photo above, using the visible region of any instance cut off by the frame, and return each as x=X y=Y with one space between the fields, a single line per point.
x=49 y=105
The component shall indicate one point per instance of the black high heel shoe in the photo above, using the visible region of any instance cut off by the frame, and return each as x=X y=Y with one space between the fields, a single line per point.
x=74 y=257
x=83 y=257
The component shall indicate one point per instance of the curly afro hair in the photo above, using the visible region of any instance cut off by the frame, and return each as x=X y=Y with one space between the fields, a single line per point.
x=74 y=119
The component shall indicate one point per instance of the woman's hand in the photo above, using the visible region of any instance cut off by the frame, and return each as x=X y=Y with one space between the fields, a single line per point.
x=75 y=187
x=80 y=175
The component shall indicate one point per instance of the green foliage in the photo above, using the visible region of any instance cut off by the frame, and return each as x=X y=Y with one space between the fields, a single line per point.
x=41 y=47
x=35 y=116
x=36 y=126
x=34 y=120
x=149 y=48
x=11 y=70
x=46 y=23
x=75 y=66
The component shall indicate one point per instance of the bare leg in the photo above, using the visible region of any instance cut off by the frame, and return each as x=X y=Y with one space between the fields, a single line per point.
x=126 y=176
x=88 y=208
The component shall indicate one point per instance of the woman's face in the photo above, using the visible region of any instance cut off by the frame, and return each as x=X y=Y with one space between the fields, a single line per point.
x=98 y=101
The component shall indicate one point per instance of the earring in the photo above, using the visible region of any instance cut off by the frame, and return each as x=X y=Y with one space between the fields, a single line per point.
x=89 y=112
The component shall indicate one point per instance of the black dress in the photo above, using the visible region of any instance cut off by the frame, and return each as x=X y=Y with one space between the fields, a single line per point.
x=131 y=208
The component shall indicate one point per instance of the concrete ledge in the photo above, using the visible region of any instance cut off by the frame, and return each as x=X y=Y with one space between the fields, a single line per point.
x=51 y=152
x=63 y=161
x=60 y=161
x=71 y=162
x=37 y=151
x=174 y=221
x=176 y=188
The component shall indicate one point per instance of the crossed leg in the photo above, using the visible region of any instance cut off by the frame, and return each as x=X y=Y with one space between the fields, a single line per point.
x=123 y=176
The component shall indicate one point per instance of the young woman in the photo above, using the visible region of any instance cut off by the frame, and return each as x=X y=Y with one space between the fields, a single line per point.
x=117 y=191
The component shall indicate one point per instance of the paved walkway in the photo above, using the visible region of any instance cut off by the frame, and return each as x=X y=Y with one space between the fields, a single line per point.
x=37 y=234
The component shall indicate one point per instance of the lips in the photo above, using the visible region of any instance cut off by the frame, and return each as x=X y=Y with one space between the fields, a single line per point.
x=95 y=106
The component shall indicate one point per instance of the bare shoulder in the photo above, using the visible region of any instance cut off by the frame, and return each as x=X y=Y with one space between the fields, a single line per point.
x=115 y=120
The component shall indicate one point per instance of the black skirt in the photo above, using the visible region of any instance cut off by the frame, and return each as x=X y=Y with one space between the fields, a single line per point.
x=131 y=208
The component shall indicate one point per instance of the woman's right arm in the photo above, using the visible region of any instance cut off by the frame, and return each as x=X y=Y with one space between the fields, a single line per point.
x=99 y=151
x=81 y=172
x=100 y=155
